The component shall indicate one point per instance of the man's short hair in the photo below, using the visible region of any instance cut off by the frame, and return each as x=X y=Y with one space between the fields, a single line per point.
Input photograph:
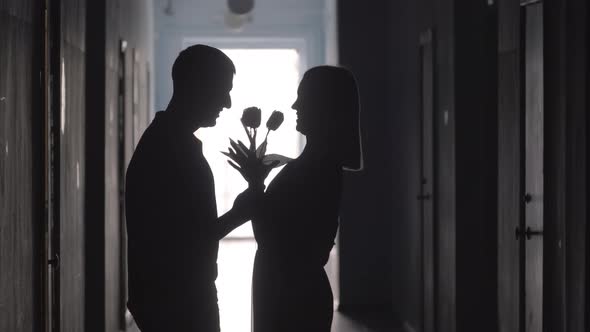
x=200 y=65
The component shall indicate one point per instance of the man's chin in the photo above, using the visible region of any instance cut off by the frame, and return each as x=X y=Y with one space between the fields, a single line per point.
x=299 y=129
x=210 y=123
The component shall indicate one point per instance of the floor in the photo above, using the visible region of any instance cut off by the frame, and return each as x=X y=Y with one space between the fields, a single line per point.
x=343 y=323
x=235 y=261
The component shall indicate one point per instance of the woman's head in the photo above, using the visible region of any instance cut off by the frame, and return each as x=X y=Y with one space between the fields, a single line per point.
x=328 y=108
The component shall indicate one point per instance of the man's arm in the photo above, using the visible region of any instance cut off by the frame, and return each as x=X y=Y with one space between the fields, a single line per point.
x=228 y=222
x=242 y=211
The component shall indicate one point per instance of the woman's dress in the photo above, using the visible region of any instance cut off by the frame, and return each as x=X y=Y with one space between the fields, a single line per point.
x=295 y=233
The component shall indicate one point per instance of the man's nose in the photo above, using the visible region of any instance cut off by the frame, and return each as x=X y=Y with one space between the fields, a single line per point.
x=228 y=102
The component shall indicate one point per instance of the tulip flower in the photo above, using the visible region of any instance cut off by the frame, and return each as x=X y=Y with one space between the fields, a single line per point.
x=251 y=121
x=251 y=117
x=275 y=120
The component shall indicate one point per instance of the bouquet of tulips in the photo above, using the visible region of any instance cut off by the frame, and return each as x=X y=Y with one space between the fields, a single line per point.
x=253 y=162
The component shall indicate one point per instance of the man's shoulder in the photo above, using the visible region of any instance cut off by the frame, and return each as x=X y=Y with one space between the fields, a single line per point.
x=156 y=135
x=154 y=144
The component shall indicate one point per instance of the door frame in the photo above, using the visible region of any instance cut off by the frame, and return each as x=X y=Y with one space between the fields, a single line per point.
x=428 y=230
x=123 y=108
x=51 y=76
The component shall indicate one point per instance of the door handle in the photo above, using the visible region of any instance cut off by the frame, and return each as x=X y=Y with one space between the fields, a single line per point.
x=527 y=198
x=54 y=262
x=424 y=197
x=528 y=233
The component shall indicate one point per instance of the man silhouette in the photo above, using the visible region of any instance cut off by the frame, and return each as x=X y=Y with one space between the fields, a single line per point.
x=172 y=224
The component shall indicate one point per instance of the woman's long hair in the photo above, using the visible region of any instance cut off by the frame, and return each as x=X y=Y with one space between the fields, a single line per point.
x=337 y=92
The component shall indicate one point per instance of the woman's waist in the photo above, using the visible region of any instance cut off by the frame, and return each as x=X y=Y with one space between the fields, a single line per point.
x=292 y=256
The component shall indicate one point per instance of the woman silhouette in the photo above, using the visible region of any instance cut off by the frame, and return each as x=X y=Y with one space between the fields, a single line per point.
x=297 y=222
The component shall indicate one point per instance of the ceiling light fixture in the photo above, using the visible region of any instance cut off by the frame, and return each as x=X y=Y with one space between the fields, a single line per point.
x=240 y=7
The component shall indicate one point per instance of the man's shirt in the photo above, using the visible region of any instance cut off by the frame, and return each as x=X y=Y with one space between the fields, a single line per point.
x=171 y=213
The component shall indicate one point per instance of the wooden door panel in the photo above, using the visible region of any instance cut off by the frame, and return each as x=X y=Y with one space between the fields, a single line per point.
x=533 y=172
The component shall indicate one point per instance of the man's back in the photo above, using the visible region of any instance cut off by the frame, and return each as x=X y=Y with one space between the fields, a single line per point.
x=170 y=210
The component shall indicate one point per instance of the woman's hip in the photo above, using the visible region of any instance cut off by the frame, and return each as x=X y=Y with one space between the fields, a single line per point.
x=283 y=283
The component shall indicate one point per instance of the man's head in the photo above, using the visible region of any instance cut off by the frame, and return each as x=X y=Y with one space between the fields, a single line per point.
x=202 y=78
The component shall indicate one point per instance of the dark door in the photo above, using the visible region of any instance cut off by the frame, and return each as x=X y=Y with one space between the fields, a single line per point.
x=427 y=180
x=533 y=145
x=121 y=146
